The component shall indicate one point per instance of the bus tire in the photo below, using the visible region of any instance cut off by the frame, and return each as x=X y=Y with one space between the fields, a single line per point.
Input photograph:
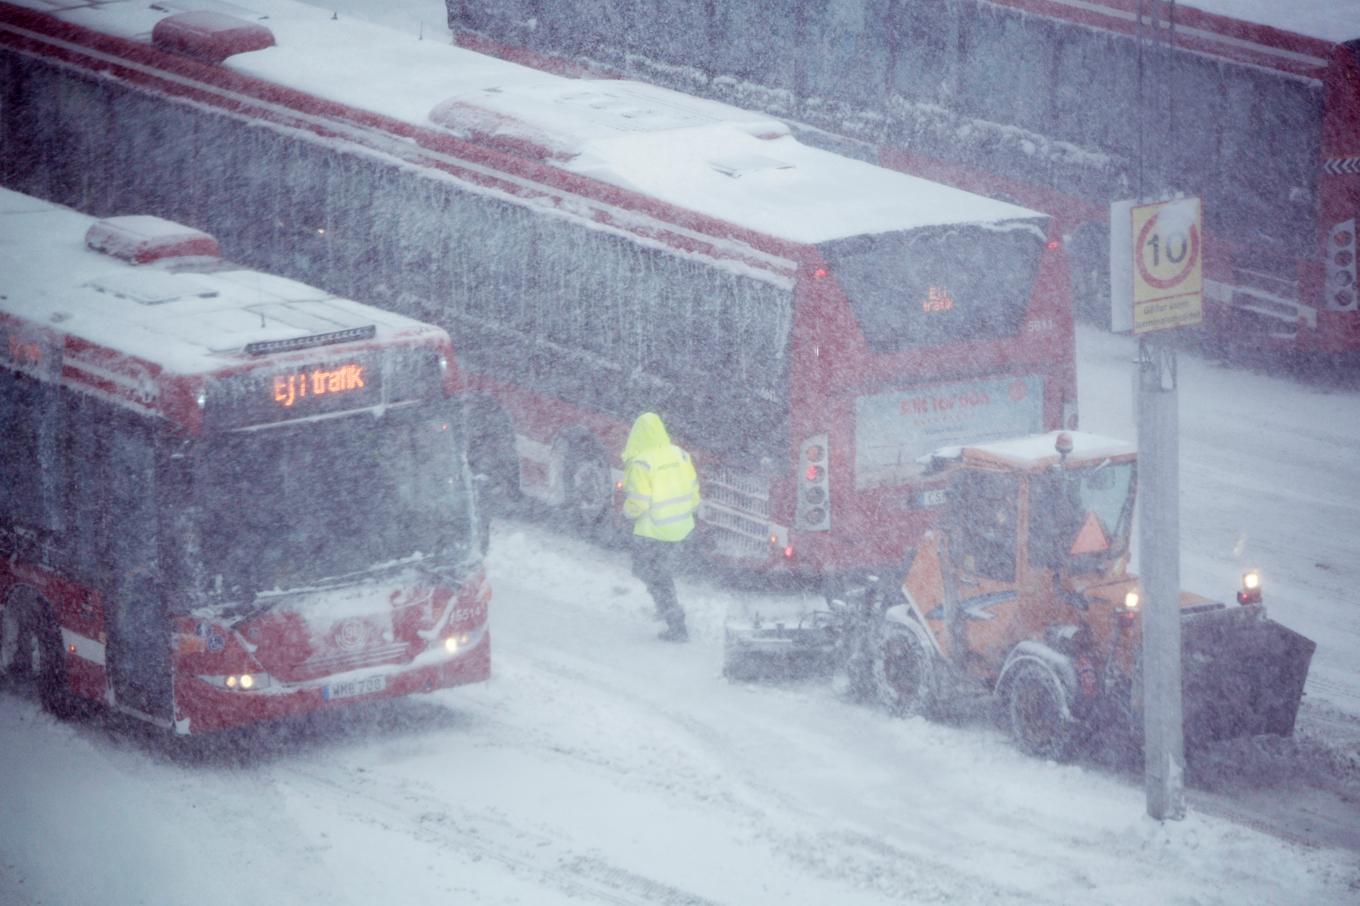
x=1038 y=713
x=492 y=455
x=37 y=656
x=587 y=491
x=903 y=672
x=20 y=653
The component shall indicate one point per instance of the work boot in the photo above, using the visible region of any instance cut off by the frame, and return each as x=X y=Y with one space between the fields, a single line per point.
x=674 y=633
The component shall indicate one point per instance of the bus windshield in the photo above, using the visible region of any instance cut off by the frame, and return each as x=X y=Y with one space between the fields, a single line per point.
x=298 y=505
x=939 y=285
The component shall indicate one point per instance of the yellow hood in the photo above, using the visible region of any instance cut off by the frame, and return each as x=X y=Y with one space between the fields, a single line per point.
x=648 y=433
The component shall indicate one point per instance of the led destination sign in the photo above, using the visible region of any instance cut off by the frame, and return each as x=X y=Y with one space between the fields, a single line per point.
x=323 y=386
x=291 y=388
x=318 y=388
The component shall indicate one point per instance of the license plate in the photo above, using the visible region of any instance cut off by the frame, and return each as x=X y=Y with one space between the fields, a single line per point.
x=935 y=497
x=366 y=686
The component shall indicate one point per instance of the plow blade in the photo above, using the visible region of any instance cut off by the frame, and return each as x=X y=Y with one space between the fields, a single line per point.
x=1242 y=675
x=776 y=653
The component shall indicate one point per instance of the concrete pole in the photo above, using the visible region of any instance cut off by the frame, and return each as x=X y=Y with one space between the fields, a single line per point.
x=1159 y=538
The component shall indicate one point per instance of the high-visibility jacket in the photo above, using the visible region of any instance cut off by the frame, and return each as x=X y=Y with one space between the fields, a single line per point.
x=661 y=489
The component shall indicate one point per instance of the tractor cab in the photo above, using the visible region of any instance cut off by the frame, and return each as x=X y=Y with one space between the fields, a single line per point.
x=1036 y=534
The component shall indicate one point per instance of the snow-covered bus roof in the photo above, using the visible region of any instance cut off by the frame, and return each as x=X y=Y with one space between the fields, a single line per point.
x=699 y=155
x=185 y=315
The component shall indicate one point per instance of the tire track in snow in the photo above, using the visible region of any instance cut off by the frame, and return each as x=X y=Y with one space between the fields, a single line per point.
x=403 y=805
x=841 y=854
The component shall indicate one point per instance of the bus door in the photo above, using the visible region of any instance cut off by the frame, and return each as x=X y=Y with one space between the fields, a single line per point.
x=137 y=624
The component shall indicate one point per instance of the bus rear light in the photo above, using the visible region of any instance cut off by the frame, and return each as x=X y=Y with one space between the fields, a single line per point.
x=1341 y=275
x=813 y=499
x=788 y=552
x=820 y=273
x=1054 y=245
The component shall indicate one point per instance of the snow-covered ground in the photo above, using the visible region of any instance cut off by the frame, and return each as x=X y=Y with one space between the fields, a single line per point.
x=602 y=766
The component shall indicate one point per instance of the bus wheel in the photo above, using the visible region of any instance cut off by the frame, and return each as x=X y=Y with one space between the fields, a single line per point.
x=492 y=456
x=1037 y=710
x=586 y=492
x=36 y=652
x=903 y=672
x=20 y=652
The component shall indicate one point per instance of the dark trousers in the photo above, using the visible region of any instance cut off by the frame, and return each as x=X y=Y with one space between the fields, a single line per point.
x=654 y=563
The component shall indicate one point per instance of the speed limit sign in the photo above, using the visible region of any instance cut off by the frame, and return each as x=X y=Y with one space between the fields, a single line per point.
x=1168 y=265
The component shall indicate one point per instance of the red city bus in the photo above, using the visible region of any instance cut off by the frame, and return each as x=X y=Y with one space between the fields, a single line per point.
x=228 y=496
x=808 y=324
x=1039 y=101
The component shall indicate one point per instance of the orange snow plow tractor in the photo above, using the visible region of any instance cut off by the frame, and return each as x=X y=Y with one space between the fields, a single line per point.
x=1023 y=592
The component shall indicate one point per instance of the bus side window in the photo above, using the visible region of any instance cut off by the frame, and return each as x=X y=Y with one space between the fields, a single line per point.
x=30 y=424
x=85 y=508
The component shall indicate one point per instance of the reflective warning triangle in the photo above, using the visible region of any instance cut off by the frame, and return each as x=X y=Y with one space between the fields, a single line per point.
x=1092 y=538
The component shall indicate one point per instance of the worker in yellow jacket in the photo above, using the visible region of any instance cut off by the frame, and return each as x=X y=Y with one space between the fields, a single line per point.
x=661 y=493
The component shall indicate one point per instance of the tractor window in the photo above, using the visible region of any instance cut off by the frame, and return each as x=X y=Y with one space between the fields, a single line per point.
x=984 y=531
x=1080 y=517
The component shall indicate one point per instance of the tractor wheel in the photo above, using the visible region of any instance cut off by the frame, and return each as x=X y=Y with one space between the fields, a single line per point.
x=1038 y=714
x=903 y=673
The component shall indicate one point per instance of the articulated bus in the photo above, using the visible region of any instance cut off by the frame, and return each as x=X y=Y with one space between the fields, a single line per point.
x=1063 y=105
x=809 y=325
x=225 y=497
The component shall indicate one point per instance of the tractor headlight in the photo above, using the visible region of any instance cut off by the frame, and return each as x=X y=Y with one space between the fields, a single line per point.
x=1131 y=599
x=1250 y=592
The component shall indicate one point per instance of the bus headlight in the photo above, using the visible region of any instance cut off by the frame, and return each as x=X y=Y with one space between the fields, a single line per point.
x=247 y=681
x=238 y=682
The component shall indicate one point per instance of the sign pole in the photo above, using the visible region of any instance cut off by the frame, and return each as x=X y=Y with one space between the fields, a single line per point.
x=1159 y=537
x=1167 y=292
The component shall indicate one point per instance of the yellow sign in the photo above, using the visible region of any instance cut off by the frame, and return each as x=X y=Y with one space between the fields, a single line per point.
x=1168 y=265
